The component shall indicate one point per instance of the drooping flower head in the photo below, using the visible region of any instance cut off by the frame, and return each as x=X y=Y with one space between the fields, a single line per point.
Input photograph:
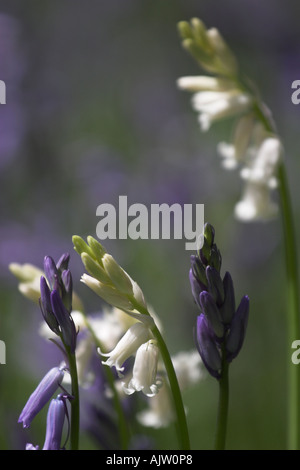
x=41 y=395
x=255 y=149
x=144 y=373
x=128 y=345
x=55 y=423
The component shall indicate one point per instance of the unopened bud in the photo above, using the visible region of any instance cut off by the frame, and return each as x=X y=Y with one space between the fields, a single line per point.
x=211 y=311
x=98 y=249
x=107 y=293
x=117 y=275
x=94 y=268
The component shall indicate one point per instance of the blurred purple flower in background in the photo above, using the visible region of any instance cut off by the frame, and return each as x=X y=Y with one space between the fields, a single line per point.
x=13 y=68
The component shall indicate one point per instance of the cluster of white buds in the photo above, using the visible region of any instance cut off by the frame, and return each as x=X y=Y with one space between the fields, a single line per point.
x=254 y=150
x=29 y=277
x=109 y=280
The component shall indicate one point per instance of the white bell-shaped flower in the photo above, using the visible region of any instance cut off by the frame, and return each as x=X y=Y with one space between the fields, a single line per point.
x=215 y=105
x=134 y=337
x=144 y=371
x=256 y=203
x=264 y=166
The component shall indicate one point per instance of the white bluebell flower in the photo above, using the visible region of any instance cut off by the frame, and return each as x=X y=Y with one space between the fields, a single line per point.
x=144 y=373
x=134 y=337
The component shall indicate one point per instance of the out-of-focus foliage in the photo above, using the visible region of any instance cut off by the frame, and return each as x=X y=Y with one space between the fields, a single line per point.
x=93 y=113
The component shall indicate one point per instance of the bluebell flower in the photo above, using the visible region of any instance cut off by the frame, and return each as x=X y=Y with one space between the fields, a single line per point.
x=220 y=328
x=55 y=423
x=41 y=395
x=65 y=321
x=207 y=347
x=56 y=299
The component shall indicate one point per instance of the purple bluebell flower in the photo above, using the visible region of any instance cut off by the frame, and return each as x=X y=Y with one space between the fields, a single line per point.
x=220 y=328
x=59 y=278
x=41 y=395
x=56 y=299
x=212 y=313
x=63 y=262
x=215 y=285
x=55 y=423
x=67 y=291
x=65 y=321
x=207 y=347
x=228 y=307
x=195 y=286
x=51 y=272
x=46 y=307
x=236 y=335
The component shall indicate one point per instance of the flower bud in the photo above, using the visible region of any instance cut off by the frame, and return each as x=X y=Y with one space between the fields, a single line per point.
x=55 y=422
x=238 y=328
x=67 y=291
x=185 y=29
x=63 y=262
x=211 y=311
x=107 y=293
x=65 y=321
x=199 y=271
x=117 y=275
x=51 y=272
x=41 y=395
x=25 y=272
x=225 y=60
x=215 y=285
x=207 y=348
x=81 y=246
x=209 y=233
x=228 y=307
x=46 y=307
x=95 y=269
x=96 y=247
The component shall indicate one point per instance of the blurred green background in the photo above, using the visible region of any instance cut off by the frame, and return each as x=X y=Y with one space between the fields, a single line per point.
x=92 y=113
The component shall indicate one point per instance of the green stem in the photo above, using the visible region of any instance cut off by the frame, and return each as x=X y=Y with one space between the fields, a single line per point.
x=122 y=423
x=292 y=295
x=181 y=425
x=293 y=310
x=221 y=430
x=74 y=433
x=182 y=429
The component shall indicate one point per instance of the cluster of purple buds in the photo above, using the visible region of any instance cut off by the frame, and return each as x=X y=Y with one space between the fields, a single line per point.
x=221 y=328
x=56 y=299
x=56 y=305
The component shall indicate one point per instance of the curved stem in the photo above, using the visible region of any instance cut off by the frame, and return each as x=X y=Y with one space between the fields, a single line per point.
x=221 y=430
x=182 y=429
